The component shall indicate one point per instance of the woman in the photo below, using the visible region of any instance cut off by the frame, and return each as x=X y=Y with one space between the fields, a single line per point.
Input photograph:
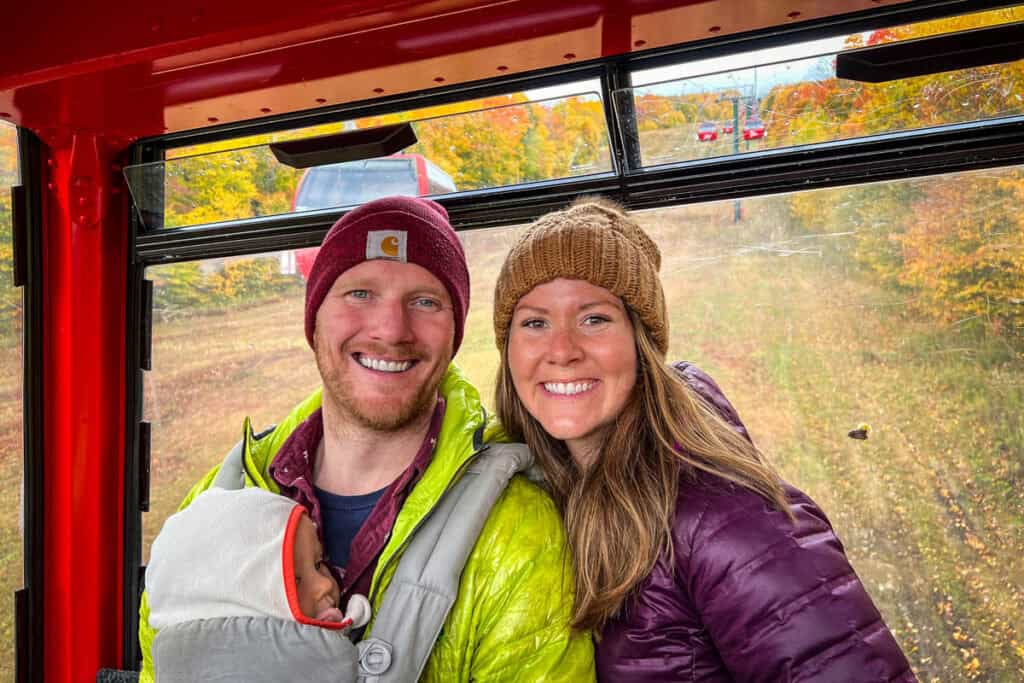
x=693 y=560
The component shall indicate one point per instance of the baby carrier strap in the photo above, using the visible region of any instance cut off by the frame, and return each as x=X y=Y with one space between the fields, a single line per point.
x=426 y=582
x=231 y=474
x=232 y=471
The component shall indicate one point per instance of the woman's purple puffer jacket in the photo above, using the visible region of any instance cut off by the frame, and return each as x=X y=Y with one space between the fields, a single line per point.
x=752 y=596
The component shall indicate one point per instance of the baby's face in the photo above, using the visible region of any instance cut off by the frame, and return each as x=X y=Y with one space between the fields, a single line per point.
x=318 y=591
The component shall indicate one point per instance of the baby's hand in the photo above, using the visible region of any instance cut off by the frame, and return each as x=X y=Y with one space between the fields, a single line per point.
x=331 y=614
x=357 y=613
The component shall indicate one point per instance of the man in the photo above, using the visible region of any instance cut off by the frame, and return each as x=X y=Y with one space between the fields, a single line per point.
x=371 y=454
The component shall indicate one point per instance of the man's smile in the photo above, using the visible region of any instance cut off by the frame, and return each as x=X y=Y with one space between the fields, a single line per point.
x=383 y=364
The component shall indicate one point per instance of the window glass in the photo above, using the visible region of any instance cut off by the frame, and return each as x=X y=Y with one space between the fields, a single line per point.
x=899 y=306
x=356 y=182
x=228 y=342
x=11 y=443
x=500 y=141
x=789 y=96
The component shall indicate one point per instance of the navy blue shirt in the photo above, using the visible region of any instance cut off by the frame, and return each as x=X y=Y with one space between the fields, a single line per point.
x=343 y=516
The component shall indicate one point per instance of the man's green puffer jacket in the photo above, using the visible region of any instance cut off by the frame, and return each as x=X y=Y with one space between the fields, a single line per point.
x=511 y=619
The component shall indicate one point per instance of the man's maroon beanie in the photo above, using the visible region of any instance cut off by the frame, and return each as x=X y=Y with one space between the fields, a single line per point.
x=406 y=229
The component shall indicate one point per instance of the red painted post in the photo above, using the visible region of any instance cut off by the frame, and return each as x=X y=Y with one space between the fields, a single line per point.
x=84 y=264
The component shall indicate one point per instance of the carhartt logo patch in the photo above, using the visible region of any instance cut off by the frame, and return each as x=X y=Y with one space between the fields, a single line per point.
x=389 y=244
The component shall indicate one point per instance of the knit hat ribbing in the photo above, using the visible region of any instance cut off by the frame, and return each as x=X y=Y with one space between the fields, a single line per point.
x=593 y=240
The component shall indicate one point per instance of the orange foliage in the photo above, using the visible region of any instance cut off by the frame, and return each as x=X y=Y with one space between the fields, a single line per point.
x=963 y=251
x=956 y=244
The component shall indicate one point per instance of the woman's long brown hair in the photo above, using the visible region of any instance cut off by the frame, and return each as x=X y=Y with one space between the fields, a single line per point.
x=619 y=510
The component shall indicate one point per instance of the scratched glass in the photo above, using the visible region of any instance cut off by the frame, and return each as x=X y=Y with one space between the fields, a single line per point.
x=791 y=96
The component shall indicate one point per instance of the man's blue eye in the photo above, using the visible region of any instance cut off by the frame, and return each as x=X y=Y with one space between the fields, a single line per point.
x=596 y=319
x=533 y=323
x=427 y=303
x=359 y=294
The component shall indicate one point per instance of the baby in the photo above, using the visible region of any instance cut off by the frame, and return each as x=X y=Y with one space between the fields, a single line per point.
x=317 y=592
x=238 y=581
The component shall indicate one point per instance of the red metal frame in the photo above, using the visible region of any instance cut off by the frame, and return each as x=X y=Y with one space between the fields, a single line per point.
x=127 y=69
x=85 y=256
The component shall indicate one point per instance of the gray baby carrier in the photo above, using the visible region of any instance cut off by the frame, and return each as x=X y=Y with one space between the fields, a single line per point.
x=403 y=631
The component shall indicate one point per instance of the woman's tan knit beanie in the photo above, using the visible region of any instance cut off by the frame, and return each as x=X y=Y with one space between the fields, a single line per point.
x=594 y=240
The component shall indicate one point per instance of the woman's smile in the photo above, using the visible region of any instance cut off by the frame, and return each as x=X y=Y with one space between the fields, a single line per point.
x=570 y=389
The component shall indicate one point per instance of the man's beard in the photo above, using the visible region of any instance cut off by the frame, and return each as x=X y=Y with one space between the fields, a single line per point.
x=344 y=395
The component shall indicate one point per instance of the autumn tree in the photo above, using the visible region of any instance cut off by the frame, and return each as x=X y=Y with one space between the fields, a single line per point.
x=963 y=251
x=953 y=243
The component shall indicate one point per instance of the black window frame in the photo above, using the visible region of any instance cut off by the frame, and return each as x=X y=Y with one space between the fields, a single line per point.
x=28 y=602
